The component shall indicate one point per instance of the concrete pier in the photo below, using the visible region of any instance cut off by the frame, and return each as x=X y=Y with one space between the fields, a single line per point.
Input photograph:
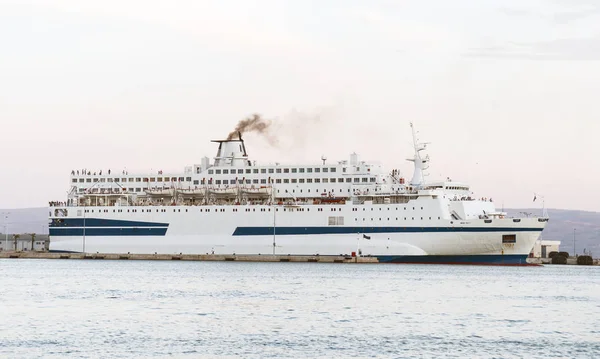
x=190 y=257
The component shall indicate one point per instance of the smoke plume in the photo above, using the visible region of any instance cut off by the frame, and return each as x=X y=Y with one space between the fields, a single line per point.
x=257 y=124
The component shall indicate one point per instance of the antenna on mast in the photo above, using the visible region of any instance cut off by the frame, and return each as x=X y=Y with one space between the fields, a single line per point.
x=420 y=163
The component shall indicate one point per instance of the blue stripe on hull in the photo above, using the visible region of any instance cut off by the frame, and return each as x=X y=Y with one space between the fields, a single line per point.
x=282 y=231
x=99 y=222
x=496 y=259
x=125 y=231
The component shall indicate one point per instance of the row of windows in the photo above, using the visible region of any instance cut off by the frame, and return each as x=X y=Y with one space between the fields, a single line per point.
x=132 y=179
x=331 y=209
x=294 y=180
x=405 y=218
x=178 y=210
x=364 y=209
x=231 y=181
x=138 y=189
x=273 y=170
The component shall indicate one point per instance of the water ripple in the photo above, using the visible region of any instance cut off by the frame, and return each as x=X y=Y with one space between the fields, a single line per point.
x=90 y=309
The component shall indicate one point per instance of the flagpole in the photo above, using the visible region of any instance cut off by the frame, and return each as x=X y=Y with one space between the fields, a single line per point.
x=357 y=246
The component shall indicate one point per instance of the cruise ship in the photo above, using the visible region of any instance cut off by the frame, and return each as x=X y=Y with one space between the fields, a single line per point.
x=234 y=205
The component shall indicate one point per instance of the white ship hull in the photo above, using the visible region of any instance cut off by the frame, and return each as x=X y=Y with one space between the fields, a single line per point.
x=303 y=230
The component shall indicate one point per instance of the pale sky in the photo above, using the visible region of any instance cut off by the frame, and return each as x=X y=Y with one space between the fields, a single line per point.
x=508 y=93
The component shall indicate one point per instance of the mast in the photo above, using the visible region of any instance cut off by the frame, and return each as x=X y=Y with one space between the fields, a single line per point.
x=420 y=163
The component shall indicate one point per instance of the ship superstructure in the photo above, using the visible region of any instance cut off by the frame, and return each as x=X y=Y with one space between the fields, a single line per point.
x=234 y=205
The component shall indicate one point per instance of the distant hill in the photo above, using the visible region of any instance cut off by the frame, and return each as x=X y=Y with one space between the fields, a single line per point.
x=25 y=220
x=560 y=227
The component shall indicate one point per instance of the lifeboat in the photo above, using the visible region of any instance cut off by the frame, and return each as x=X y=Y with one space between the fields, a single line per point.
x=262 y=190
x=192 y=192
x=229 y=191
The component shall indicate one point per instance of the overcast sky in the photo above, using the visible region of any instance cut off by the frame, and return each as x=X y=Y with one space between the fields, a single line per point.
x=506 y=92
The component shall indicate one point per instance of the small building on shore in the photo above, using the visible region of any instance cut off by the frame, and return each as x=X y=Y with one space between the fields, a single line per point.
x=541 y=249
x=24 y=242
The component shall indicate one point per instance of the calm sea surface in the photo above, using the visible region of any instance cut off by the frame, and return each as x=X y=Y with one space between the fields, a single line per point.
x=148 y=309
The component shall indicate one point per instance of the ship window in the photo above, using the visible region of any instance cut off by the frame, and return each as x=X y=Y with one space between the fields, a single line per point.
x=210 y=172
x=325 y=169
x=225 y=172
x=356 y=179
x=348 y=180
x=263 y=181
x=278 y=180
x=278 y=170
x=95 y=180
x=263 y=170
x=74 y=180
x=364 y=179
x=217 y=181
x=138 y=190
x=344 y=169
x=332 y=180
x=271 y=170
x=509 y=238
x=372 y=179
x=286 y=181
x=109 y=179
x=309 y=170
x=309 y=180
x=138 y=179
x=81 y=180
x=218 y=172
x=166 y=179
x=181 y=179
x=255 y=181
x=240 y=171
x=301 y=180
x=248 y=170
x=225 y=181
x=332 y=169
x=301 y=170
x=294 y=170
x=317 y=170
x=159 y=179
x=286 y=170
x=255 y=170
x=317 y=180
x=325 y=180
x=294 y=180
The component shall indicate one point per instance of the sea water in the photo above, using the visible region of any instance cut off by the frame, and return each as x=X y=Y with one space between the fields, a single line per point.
x=178 y=309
